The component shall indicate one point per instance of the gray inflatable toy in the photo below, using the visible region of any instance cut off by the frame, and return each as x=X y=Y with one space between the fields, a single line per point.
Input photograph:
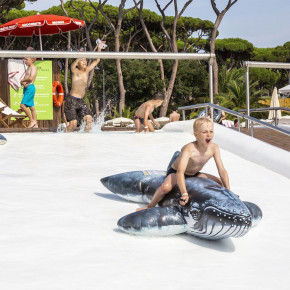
x=213 y=212
x=3 y=140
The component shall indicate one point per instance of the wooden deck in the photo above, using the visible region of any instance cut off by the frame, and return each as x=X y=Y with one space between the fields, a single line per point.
x=269 y=136
x=27 y=130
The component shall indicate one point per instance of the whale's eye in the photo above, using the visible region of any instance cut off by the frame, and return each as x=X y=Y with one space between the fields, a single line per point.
x=195 y=213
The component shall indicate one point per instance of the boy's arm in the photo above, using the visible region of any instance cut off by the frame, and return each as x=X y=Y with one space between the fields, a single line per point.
x=223 y=116
x=153 y=120
x=181 y=167
x=220 y=167
x=96 y=61
x=146 y=116
x=31 y=76
x=74 y=65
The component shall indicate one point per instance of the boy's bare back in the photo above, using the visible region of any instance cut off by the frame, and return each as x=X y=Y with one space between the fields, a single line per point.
x=141 y=110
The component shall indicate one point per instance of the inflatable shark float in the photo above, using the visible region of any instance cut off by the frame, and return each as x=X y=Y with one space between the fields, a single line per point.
x=213 y=212
x=3 y=140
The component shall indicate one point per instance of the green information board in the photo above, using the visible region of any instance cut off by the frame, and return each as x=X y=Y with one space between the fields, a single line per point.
x=43 y=93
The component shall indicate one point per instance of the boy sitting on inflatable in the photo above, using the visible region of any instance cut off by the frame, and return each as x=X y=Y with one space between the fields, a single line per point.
x=191 y=160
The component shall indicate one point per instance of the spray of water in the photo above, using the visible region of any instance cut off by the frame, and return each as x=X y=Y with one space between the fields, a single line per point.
x=96 y=125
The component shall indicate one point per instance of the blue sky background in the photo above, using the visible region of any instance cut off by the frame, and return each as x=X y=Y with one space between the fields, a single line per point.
x=265 y=23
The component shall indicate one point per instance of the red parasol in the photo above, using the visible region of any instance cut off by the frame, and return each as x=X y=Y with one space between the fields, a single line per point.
x=40 y=25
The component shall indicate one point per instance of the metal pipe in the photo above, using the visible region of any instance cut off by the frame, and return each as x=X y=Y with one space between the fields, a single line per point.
x=104 y=95
x=262 y=64
x=252 y=128
x=103 y=55
x=211 y=86
x=234 y=113
x=247 y=94
x=183 y=115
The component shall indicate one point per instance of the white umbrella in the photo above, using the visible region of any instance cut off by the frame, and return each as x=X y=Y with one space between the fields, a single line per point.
x=274 y=103
x=285 y=90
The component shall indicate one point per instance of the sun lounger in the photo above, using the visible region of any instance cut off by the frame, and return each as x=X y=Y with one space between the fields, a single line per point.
x=7 y=113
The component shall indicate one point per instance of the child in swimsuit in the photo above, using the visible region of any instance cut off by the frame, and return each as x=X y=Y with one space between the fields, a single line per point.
x=75 y=108
x=144 y=112
x=191 y=160
x=29 y=92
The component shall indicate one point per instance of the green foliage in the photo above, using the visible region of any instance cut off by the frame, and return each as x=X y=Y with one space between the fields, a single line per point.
x=232 y=88
x=141 y=80
x=233 y=51
x=126 y=113
x=7 y=5
x=142 y=77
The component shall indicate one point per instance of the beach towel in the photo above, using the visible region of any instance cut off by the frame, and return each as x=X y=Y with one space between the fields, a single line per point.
x=16 y=71
x=228 y=123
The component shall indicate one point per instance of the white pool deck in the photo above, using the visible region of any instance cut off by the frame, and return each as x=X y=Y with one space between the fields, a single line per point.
x=58 y=223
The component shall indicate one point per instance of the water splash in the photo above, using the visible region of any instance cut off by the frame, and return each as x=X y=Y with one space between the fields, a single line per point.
x=96 y=124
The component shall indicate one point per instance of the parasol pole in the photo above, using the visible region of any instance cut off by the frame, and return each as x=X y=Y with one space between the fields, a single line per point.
x=39 y=32
x=40 y=40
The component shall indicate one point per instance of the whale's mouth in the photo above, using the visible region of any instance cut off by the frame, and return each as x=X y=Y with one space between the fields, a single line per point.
x=217 y=224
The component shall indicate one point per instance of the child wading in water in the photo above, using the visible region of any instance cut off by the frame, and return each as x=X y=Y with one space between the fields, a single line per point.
x=191 y=160
x=29 y=92
x=144 y=112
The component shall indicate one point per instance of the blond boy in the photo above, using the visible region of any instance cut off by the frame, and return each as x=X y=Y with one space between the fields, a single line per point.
x=191 y=160
x=144 y=113
x=75 y=108
x=29 y=92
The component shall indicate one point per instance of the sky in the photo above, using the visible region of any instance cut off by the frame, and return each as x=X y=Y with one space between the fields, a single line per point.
x=264 y=23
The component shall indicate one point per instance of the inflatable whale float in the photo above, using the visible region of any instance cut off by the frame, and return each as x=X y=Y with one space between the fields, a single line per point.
x=213 y=212
x=3 y=140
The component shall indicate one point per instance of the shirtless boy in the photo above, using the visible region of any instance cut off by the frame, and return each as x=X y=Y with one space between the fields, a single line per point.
x=174 y=116
x=144 y=112
x=191 y=160
x=75 y=107
x=29 y=92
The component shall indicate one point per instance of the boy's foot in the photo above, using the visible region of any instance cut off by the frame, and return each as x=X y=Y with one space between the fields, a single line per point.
x=33 y=125
x=141 y=208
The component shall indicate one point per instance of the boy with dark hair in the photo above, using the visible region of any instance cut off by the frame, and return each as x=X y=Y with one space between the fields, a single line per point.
x=144 y=112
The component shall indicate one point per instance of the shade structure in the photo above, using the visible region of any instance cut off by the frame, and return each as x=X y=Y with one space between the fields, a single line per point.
x=40 y=25
x=274 y=103
x=285 y=90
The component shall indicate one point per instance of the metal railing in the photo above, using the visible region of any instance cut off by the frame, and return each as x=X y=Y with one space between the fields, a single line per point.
x=237 y=114
x=275 y=109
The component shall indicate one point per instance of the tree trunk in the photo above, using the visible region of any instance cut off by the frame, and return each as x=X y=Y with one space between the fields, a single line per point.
x=121 y=86
x=164 y=107
x=217 y=23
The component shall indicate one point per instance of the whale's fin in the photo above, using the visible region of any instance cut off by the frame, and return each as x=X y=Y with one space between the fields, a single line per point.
x=175 y=155
x=157 y=221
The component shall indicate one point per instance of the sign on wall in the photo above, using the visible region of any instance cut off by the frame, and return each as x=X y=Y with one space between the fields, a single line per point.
x=43 y=93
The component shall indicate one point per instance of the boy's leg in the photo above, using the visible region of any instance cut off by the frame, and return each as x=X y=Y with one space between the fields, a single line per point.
x=27 y=112
x=162 y=190
x=138 y=126
x=72 y=125
x=34 y=117
x=209 y=176
x=151 y=127
x=89 y=120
